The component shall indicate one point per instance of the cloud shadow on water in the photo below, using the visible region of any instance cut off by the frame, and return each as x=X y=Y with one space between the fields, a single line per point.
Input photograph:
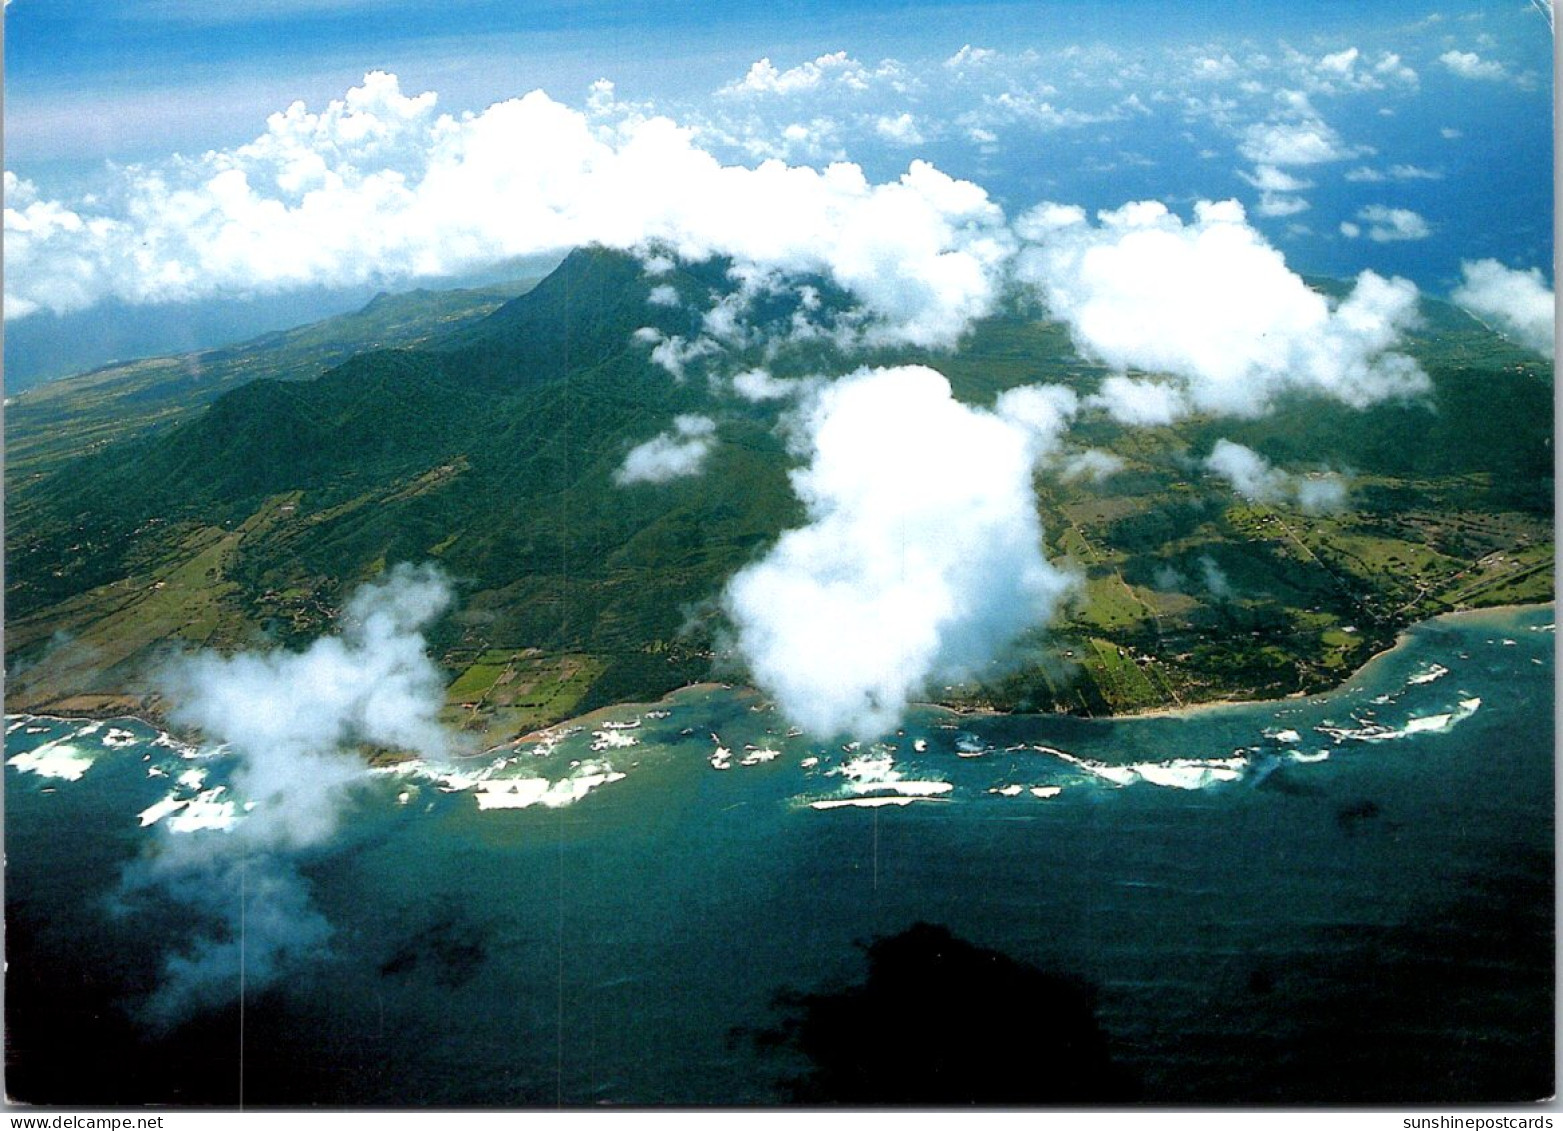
x=941 y=1022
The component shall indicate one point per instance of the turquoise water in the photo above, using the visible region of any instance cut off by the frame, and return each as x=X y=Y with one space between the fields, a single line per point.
x=1342 y=899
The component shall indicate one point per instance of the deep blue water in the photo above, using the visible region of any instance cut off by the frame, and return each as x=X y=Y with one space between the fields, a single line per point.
x=1374 y=925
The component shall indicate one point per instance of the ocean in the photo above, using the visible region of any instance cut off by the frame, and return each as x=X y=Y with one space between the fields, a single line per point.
x=1345 y=899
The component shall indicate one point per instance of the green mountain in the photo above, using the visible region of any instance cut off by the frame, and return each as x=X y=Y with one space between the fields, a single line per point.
x=62 y=418
x=491 y=449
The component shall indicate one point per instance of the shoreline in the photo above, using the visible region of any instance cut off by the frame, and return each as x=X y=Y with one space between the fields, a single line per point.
x=542 y=734
x=1402 y=637
x=706 y=686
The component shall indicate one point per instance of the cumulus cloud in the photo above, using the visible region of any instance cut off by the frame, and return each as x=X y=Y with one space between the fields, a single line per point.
x=1273 y=205
x=1388 y=225
x=1292 y=143
x=1210 y=68
x=1390 y=66
x=1276 y=190
x=899 y=129
x=758 y=385
x=837 y=69
x=670 y=455
x=1253 y=477
x=1517 y=303
x=1042 y=412
x=1268 y=178
x=674 y=352
x=1212 y=307
x=921 y=559
x=1145 y=404
x=1349 y=71
x=1469 y=65
x=1295 y=135
x=292 y=724
x=971 y=56
x=377 y=186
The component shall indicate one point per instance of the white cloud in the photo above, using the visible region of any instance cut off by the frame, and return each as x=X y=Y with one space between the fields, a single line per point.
x=1390 y=66
x=837 y=69
x=1414 y=173
x=663 y=294
x=758 y=385
x=670 y=455
x=1363 y=174
x=921 y=558
x=1043 y=412
x=1295 y=134
x=31 y=224
x=1349 y=71
x=1274 y=206
x=1390 y=225
x=1093 y=464
x=292 y=723
x=1034 y=110
x=1252 y=477
x=1276 y=187
x=1309 y=142
x=1518 y=303
x=970 y=56
x=900 y=129
x=674 y=352
x=1322 y=493
x=1342 y=63
x=379 y=187
x=1469 y=65
x=757 y=136
x=1213 y=306
x=294 y=718
x=1268 y=178
x=1208 y=68
x=1145 y=404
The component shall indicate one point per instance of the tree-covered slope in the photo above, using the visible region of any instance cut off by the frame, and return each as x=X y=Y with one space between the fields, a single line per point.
x=492 y=450
x=61 y=419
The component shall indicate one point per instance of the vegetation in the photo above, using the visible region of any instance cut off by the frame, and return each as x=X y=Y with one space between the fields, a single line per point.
x=58 y=420
x=185 y=518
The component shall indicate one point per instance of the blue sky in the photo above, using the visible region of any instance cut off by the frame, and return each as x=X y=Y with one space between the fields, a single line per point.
x=137 y=61
x=1406 y=138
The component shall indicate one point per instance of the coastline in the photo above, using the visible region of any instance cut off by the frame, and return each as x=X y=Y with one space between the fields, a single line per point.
x=542 y=734
x=1401 y=639
x=1189 y=710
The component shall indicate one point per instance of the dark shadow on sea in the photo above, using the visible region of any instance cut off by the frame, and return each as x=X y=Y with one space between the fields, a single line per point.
x=1455 y=1009
x=939 y=1022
